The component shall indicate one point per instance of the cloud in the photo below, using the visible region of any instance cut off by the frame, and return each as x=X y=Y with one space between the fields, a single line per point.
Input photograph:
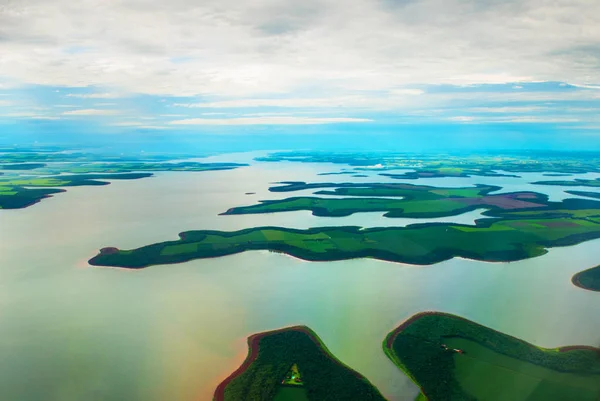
x=90 y=112
x=289 y=120
x=5 y=103
x=507 y=109
x=29 y=116
x=256 y=49
x=461 y=118
x=94 y=95
x=407 y=91
x=139 y=125
x=515 y=119
x=355 y=101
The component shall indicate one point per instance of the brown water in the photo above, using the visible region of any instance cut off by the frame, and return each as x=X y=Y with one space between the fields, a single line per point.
x=72 y=332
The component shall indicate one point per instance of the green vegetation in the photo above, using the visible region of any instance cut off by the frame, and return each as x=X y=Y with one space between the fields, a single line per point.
x=519 y=234
x=588 y=279
x=21 y=166
x=19 y=197
x=595 y=195
x=70 y=180
x=451 y=358
x=68 y=169
x=126 y=167
x=15 y=192
x=415 y=201
x=578 y=182
x=272 y=358
x=445 y=172
x=452 y=165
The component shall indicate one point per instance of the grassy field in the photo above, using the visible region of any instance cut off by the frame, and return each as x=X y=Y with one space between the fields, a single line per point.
x=291 y=394
x=451 y=358
x=588 y=279
x=270 y=357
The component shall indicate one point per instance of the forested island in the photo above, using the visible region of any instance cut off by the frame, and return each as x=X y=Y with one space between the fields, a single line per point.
x=402 y=200
x=451 y=165
x=451 y=358
x=588 y=279
x=527 y=234
x=293 y=364
x=35 y=175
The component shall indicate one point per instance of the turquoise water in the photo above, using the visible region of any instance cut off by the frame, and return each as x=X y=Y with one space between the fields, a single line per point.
x=71 y=332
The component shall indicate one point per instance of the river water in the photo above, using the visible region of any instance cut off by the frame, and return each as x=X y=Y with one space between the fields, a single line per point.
x=69 y=331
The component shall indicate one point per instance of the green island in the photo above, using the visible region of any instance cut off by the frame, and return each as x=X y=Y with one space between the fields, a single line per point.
x=17 y=192
x=445 y=172
x=451 y=165
x=22 y=166
x=577 y=182
x=293 y=364
x=595 y=195
x=588 y=279
x=53 y=168
x=451 y=358
x=519 y=234
x=127 y=167
x=413 y=201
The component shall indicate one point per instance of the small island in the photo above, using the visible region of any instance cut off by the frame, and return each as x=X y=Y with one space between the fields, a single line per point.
x=588 y=194
x=451 y=358
x=16 y=192
x=412 y=201
x=451 y=165
x=20 y=192
x=577 y=182
x=588 y=279
x=22 y=166
x=293 y=364
x=446 y=172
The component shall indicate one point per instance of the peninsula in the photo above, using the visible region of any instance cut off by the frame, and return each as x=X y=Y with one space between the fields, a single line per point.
x=451 y=358
x=293 y=364
x=588 y=279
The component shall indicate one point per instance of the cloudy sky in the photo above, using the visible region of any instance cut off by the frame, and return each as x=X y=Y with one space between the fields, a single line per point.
x=204 y=66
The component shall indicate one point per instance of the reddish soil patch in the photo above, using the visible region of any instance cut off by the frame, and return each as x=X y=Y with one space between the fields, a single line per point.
x=501 y=201
x=558 y=224
x=109 y=250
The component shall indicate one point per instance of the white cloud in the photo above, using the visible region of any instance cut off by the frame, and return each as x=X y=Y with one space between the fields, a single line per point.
x=5 y=103
x=94 y=95
x=268 y=121
x=90 y=112
x=515 y=119
x=355 y=101
x=407 y=91
x=507 y=109
x=128 y=124
x=461 y=118
x=139 y=124
x=235 y=49
x=30 y=116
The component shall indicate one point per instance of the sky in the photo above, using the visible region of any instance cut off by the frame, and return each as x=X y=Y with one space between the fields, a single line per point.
x=270 y=73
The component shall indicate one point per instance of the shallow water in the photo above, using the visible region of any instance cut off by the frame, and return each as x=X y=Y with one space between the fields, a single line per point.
x=71 y=332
